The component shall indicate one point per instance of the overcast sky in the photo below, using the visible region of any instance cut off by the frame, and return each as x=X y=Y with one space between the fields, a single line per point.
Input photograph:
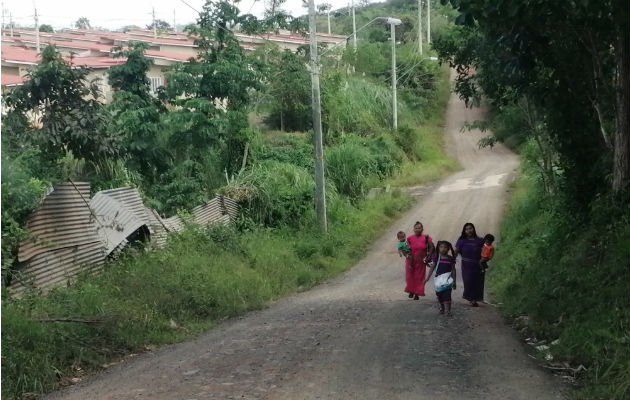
x=114 y=14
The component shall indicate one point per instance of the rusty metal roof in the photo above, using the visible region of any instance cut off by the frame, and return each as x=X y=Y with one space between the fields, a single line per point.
x=64 y=219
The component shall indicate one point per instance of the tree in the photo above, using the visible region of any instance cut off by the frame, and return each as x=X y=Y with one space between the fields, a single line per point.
x=66 y=108
x=136 y=114
x=46 y=28
x=571 y=61
x=208 y=129
x=82 y=23
x=160 y=25
x=324 y=8
x=289 y=91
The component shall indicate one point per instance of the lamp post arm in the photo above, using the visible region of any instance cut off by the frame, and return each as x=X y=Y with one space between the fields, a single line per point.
x=345 y=39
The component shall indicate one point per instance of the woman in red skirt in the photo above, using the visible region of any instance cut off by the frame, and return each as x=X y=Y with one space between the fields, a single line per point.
x=422 y=249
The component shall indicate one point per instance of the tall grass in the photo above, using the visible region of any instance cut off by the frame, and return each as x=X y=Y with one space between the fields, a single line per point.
x=421 y=137
x=357 y=106
x=569 y=274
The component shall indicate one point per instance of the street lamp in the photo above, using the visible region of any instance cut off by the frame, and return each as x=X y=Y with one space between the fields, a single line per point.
x=392 y=24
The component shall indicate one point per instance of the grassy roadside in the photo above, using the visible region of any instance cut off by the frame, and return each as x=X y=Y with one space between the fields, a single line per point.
x=566 y=276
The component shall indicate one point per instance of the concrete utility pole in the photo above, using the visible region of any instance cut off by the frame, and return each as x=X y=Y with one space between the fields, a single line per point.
x=174 y=22
x=154 y=26
x=11 y=23
x=392 y=23
x=428 y=21
x=320 y=188
x=354 y=28
x=36 y=30
x=328 y=12
x=420 y=26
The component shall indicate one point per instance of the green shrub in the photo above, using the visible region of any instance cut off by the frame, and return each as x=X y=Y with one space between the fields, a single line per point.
x=568 y=272
x=348 y=165
x=275 y=193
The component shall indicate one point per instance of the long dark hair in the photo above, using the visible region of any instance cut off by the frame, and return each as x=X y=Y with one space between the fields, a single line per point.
x=463 y=235
x=448 y=244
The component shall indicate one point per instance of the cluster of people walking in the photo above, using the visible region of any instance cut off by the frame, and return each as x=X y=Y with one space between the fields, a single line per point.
x=420 y=253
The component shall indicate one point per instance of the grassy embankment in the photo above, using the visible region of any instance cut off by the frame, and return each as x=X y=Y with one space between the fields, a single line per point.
x=202 y=276
x=566 y=276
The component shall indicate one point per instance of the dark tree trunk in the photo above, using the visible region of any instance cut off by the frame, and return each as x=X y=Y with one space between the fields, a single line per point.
x=621 y=166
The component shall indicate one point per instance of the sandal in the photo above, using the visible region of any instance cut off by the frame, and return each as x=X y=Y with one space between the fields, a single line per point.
x=416 y=297
x=475 y=304
x=449 y=314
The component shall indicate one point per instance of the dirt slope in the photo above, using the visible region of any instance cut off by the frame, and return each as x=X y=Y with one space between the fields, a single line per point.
x=358 y=336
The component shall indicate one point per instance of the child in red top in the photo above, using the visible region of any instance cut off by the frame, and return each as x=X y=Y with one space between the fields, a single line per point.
x=487 y=252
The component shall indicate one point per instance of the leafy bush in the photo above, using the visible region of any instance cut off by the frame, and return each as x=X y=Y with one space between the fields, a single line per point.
x=21 y=193
x=385 y=154
x=275 y=193
x=288 y=148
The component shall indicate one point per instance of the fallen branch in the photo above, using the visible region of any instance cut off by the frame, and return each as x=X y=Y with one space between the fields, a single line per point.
x=78 y=320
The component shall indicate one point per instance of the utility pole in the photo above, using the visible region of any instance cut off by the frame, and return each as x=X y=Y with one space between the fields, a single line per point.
x=2 y=5
x=428 y=21
x=11 y=23
x=420 y=26
x=36 y=29
x=329 y=8
x=154 y=26
x=394 y=102
x=392 y=37
x=320 y=188
x=354 y=29
x=174 y=22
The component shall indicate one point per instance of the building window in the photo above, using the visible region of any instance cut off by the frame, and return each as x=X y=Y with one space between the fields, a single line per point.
x=155 y=83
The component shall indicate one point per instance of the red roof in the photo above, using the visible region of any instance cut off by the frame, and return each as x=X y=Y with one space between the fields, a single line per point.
x=69 y=44
x=19 y=54
x=95 y=62
x=12 y=80
x=29 y=56
x=168 y=55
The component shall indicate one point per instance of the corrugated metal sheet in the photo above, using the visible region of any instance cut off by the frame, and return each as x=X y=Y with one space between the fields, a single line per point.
x=174 y=223
x=130 y=198
x=230 y=206
x=157 y=228
x=58 y=267
x=74 y=234
x=65 y=240
x=64 y=219
x=115 y=220
x=211 y=212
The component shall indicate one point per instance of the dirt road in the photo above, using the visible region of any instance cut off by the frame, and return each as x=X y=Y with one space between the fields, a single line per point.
x=358 y=336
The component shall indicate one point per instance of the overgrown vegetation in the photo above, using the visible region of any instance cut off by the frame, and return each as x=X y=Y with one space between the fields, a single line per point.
x=182 y=147
x=557 y=78
x=174 y=293
x=568 y=273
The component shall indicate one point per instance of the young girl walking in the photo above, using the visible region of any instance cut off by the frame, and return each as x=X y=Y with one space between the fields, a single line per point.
x=444 y=266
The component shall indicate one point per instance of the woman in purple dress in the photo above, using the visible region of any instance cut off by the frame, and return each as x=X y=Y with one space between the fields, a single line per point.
x=469 y=247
